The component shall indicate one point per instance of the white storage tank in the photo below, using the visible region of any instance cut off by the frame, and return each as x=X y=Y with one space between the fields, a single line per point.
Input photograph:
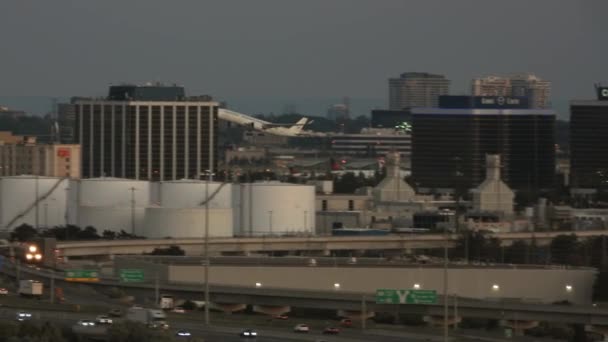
x=189 y=193
x=274 y=208
x=113 y=204
x=18 y=204
x=186 y=222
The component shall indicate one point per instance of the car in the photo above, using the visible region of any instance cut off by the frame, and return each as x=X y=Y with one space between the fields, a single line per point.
x=346 y=322
x=178 y=309
x=115 y=313
x=183 y=333
x=3 y=291
x=86 y=323
x=104 y=320
x=23 y=316
x=249 y=333
x=281 y=317
x=331 y=331
x=301 y=328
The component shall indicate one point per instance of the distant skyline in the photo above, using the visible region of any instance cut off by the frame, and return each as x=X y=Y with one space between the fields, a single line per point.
x=265 y=54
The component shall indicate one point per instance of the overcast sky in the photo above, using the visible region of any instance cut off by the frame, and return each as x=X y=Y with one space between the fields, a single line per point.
x=283 y=49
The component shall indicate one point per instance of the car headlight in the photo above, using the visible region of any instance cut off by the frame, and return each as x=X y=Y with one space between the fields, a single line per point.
x=254 y=333
x=246 y=333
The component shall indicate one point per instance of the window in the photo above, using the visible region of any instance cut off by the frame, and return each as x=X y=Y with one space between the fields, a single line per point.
x=351 y=205
x=324 y=205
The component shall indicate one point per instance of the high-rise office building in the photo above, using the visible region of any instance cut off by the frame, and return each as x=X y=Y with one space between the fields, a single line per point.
x=537 y=91
x=449 y=144
x=416 y=89
x=150 y=132
x=588 y=143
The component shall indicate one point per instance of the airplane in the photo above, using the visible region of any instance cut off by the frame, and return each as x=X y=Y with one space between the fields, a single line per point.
x=289 y=130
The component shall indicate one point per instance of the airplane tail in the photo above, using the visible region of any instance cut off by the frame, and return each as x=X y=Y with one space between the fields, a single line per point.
x=298 y=126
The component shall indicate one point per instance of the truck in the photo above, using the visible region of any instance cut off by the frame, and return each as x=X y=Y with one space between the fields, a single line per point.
x=30 y=288
x=152 y=318
x=167 y=302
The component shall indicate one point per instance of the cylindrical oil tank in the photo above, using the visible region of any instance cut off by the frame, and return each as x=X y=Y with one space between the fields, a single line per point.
x=113 y=204
x=187 y=222
x=33 y=200
x=274 y=208
x=192 y=193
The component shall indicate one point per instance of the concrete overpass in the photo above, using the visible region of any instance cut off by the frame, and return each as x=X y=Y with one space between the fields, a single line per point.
x=353 y=301
x=322 y=245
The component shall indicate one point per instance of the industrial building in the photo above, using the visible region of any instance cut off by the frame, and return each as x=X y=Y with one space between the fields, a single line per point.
x=449 y=145
x=416 y=89
x=159 y=209
x=588 y=144
x=151 y=132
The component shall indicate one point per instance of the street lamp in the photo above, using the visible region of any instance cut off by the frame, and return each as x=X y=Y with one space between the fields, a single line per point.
x=495 y=287
x=417 y=286
x=336 y=286
x=258 y=284
x=569 y=288
x=445 y=275
x=270 y=221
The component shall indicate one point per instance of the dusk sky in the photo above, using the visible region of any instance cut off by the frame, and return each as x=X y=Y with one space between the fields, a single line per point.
x=273 y=52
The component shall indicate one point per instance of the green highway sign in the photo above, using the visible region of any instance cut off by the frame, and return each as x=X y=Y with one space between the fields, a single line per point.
x=82 y=275
x=131 y=275
x=393 y=296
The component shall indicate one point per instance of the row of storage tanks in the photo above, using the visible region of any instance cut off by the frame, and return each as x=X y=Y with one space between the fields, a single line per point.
x=159 y=209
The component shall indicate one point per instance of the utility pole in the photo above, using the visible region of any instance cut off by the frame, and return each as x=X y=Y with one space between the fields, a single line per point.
x=445 y=284
x=52 y=286
x=206 y=251
x=156 y=289
x=604 y=256
x=363 y=312
x=455 y=311
x=36 y=186
x=46 y=215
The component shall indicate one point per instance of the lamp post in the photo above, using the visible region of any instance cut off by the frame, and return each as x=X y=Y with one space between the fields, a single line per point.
x=445 y=276
x=270 y=221
x=132 y=189
x=206 y=251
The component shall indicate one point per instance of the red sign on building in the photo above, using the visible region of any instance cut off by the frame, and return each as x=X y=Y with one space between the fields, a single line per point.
x=63 y=153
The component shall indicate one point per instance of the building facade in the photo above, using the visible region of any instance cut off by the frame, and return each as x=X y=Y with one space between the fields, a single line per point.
x=449 y=146
x=530 y=86
x=416 y=89
x=588 y=144
x=372 y=142
x=384 y=118
x=140 y=134
x=21 y=155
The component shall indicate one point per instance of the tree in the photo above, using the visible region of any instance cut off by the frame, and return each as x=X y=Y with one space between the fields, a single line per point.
x=516 y=253
x=109 y=235
x=481 y=246
x=564 y=249
x=89 y=233
x=23 y=233
x=173 y=250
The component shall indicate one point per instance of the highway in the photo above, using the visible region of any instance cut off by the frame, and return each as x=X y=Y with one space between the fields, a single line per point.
x=342 y=300
x=317 y=244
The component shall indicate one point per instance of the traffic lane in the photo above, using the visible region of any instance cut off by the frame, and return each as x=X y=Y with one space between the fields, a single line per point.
x=268 y=334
